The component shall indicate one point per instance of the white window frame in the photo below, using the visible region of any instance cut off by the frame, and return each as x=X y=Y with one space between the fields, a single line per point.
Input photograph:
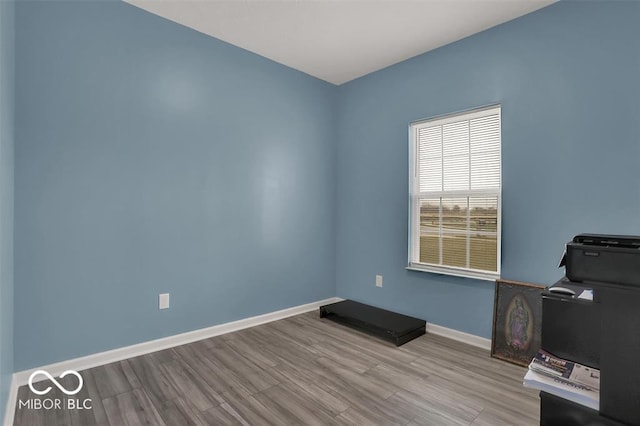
x=415 y=196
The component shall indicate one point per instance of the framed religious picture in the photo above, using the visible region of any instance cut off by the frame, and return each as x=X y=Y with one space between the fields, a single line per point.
x=517 y=321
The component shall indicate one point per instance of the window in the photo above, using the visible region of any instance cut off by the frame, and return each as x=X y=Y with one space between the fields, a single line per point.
x=455 y=185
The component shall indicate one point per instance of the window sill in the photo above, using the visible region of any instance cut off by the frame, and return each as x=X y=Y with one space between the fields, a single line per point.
x=454 y=272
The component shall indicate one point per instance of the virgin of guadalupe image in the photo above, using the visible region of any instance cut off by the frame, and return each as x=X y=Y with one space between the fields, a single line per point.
x=518 y=324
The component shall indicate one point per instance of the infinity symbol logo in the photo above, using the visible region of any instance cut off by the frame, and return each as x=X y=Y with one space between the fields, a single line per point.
x=55 y=382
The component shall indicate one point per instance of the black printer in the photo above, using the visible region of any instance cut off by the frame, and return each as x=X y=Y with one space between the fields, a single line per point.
x=604 y=258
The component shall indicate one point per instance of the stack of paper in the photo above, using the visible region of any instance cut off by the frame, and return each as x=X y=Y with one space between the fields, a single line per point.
x=563 y=378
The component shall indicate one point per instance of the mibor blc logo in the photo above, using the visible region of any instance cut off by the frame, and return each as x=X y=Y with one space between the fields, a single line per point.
x=55 y=382
x=55 y=403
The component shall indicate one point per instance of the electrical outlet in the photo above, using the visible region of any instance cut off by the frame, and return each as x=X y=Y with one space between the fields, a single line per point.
x=163 y=301
x=378 y=280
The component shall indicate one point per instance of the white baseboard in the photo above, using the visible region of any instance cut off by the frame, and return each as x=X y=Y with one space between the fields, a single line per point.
x=11 y=402
x=21 y=378
x=470 y=339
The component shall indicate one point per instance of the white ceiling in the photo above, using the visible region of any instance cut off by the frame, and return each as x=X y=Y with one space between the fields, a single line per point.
x=339 y=40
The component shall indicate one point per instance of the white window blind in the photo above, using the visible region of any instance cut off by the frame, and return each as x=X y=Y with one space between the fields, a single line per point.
x=455 y=194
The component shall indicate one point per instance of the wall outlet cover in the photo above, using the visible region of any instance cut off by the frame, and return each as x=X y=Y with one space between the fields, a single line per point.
x=163 y=301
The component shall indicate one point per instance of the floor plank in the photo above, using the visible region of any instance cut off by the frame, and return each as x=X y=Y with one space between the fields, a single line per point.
x=131 y=409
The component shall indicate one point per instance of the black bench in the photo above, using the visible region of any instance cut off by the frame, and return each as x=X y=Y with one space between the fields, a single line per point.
x=388 y=325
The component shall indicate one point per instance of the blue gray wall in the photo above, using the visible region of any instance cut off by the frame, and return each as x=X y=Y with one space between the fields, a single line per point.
x=567 y=79
x=152 y=158
x=6 y=197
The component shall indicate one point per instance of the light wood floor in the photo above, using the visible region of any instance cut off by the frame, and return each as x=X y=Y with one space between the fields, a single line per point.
x=300 y=370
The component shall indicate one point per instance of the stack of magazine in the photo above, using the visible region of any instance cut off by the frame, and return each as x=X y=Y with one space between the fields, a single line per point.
x=563 y=378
